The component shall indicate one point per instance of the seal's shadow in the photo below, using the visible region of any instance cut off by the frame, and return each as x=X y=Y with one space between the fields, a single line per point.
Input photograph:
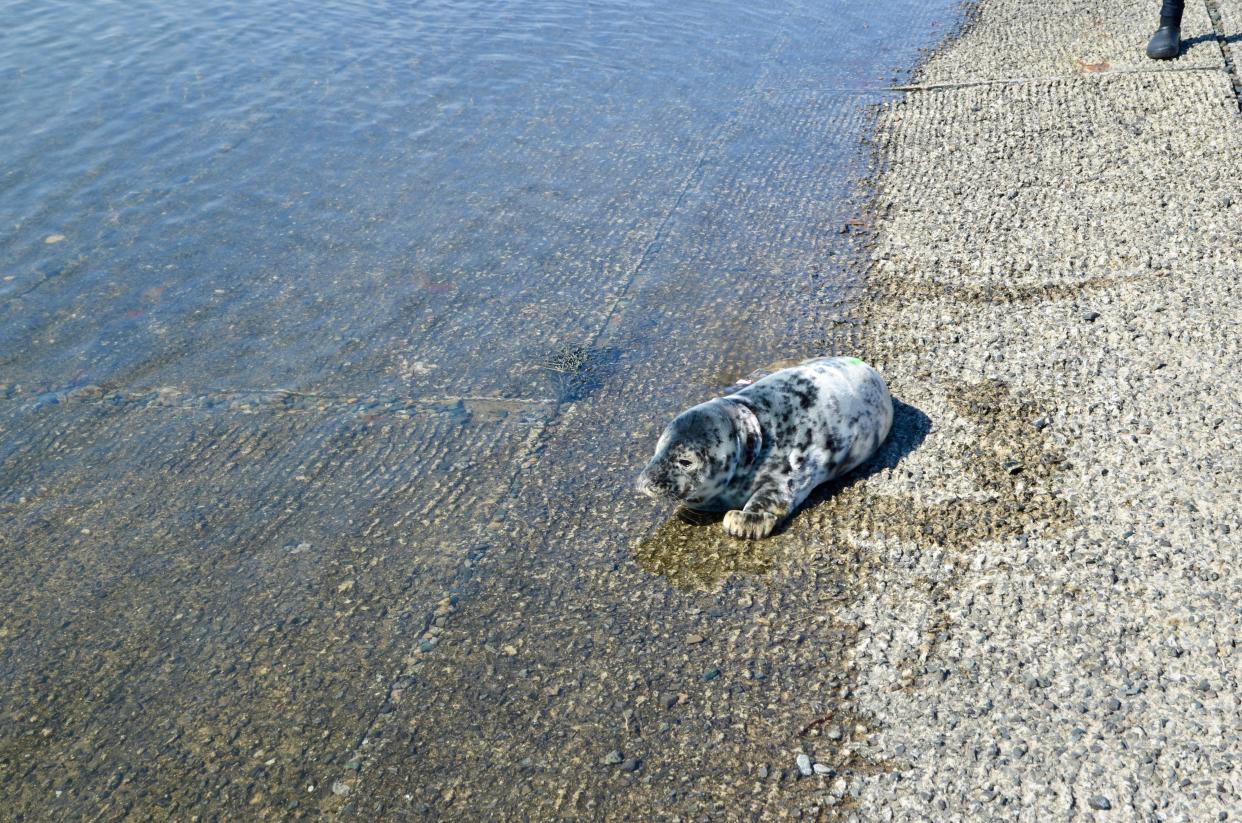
x=692 y=552
x=910 y=428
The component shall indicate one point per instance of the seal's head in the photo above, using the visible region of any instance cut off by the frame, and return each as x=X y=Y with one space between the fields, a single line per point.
x=699 y=453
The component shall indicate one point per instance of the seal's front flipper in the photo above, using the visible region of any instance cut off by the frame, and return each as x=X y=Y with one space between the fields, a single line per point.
x=750 y=525
x=776 y=494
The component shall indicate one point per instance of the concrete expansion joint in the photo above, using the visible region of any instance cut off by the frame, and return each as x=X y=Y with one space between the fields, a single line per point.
x=615 y=311
x=1223 y=40
x=251 y=399
x=718 y=139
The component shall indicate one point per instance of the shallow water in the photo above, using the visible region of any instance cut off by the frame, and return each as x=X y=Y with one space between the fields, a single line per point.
x=330 y=337
x=408 y=199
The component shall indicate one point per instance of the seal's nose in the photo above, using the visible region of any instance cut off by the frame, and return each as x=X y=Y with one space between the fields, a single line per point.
x=644 y=485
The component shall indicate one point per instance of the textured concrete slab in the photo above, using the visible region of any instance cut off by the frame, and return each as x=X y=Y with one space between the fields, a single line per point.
x=1229 y=13
x=1076 y=180
x=1067 y=39
x=1071 y=249
x=203 y=607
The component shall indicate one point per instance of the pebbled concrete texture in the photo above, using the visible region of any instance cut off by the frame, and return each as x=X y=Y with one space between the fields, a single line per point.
x=1076 y=243
x=1007 y=42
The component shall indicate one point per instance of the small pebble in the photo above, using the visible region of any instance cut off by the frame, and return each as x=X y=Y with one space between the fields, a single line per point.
x=1090 y=316
x=668 y=701
x=631 y=764
x=1100 y=802
x=613 y=757
x=712 y=675
x=804 y=765
x=820 y=768
x=54 y=238
x=762 y=772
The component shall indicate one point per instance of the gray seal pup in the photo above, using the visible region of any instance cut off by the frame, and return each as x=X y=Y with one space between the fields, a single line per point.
x=757 y=452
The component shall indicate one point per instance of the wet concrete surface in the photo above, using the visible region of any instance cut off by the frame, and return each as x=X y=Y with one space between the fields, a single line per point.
x=324 y=374
x=205 y=591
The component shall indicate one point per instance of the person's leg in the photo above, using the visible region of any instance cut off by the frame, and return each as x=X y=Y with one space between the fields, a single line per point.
x=1166 y=43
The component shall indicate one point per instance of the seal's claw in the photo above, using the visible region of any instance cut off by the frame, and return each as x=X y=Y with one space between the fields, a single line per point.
x=751 y=525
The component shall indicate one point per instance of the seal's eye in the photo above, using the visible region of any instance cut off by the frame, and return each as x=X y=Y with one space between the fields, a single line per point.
x=685 y=461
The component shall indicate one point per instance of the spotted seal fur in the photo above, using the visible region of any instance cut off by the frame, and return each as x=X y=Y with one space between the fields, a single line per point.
x=757 y=452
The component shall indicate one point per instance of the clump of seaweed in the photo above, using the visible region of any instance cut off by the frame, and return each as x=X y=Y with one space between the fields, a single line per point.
x=568 y=359
x=576 y=370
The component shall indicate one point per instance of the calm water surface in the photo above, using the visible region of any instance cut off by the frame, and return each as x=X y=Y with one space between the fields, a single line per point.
x=331 y=337
x=396 y=198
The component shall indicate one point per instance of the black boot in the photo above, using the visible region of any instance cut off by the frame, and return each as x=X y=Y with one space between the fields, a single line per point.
x=1166 y=43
